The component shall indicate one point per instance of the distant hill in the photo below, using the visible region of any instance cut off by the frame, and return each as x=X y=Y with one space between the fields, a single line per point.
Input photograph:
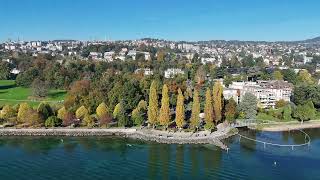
x=313 y=40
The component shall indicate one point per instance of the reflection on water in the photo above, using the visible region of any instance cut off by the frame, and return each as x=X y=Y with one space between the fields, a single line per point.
x=108 y=158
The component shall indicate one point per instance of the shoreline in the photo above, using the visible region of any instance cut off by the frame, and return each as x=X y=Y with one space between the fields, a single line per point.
x=164 y=137
x=289 y=126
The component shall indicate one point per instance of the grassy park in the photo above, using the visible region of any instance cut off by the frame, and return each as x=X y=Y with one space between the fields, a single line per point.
x=12 y=94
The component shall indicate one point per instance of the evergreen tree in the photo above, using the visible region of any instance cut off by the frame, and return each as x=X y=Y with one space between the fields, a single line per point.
x=121 y=116
x=180 y=110
x=137 y=117
x=195 y=120
x=248 y=106
x=44 y=110
x=217 y=101
x=153 y=104
x=164 y=117
x=208 y=110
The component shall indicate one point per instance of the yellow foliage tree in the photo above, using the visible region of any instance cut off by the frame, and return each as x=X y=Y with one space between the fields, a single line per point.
x=153 y=104
x=195 y=110
x=217 y=101
x=7 y=112
x=180 y=110
x=62 y=113
x=82 y=112
x=117 y=110
x=208 y=110
x=164 y=117
x=23 y=111
x=102 y=110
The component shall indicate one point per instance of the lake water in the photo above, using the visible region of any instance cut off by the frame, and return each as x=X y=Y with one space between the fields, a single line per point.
x=113 y=158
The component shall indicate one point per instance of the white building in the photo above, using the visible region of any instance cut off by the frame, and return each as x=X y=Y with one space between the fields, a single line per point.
x=132 y=54
x=95 y=55
x=170 y=73
x=145 y=71
x=207 y=60
x=109 y=56
x=267 y=92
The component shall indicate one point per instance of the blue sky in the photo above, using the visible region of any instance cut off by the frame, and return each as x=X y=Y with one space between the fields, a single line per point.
x=166 y=19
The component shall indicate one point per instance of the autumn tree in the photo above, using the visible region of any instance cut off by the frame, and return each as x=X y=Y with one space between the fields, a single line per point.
x=7 y=113
x=116 y=110
x=208 y=110
x=61 y=113
x=231 y=110
x=160 y=55
x=277 y=75
x=23 y=111
x=68 y=119
x=180 y=110
x=81 y=112
x=33 y=118
x=304 y=77
x=164 y=117
x=142 y=105
x=153 y=104
x=200 y=75
x=101 y=110
x=88 y=121
x=281 y=103
x=217 y=101
x=195 y=120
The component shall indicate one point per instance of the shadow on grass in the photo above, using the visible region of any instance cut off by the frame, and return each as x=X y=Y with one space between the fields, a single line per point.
x=7 y=86
x=56 y=94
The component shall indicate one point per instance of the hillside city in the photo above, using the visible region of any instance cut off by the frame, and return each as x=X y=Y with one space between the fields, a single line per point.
x=275 y=73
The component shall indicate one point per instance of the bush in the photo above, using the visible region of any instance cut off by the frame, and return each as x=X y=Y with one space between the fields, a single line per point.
x=105 y=120
x=88 y=121
x=53 y=121
x=209 y=126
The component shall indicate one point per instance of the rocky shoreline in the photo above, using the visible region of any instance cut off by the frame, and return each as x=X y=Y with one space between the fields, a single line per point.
x=166 y=137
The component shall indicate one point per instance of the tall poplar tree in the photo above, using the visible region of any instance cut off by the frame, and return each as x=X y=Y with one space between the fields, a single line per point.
x=208 y=110
x=180 y=110
x=217 y=101
x=195 y=110
x=164 y=117
x=153 y=104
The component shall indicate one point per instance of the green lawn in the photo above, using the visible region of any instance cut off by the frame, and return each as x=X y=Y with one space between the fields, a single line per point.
x=11 y=94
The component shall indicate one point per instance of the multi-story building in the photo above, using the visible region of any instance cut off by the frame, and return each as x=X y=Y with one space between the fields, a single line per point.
x=170 y=73
x=267 y=92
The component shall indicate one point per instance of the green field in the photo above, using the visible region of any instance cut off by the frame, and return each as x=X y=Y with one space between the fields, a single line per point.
x=12 y=94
